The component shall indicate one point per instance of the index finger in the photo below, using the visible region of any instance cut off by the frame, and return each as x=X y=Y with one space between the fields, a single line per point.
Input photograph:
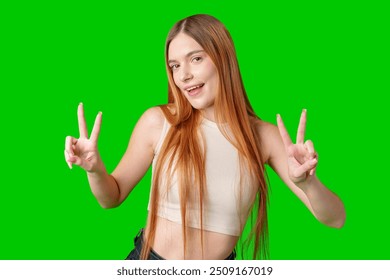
x=82 y=125
x=301 y=128
x=283 y=132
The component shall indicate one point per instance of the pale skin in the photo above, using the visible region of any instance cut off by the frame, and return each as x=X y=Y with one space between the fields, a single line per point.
x=295 y=164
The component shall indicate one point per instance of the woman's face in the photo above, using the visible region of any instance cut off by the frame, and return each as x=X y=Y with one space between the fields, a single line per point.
x=194 y=73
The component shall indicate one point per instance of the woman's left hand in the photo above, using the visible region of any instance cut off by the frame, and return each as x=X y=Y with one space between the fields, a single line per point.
x=301 y=157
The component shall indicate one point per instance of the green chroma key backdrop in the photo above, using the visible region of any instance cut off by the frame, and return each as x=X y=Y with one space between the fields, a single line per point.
x=329 y=57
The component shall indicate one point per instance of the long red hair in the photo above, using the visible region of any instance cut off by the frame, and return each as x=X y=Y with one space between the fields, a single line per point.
x=182 y=150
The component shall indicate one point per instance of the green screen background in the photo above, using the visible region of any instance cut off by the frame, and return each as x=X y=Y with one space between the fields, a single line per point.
x=330 y=57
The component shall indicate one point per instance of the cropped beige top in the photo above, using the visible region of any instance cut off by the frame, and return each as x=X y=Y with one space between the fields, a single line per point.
x=226 y=204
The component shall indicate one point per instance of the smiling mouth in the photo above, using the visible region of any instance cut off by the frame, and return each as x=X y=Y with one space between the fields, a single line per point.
x=194 y=88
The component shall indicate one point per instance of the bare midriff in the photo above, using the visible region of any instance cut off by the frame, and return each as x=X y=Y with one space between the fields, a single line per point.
x=168 y=242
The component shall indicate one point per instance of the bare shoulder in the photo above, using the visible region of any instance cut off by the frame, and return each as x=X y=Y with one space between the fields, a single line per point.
x=150 y=126
x=263 y=127
x=153 y=117
x=269 y=137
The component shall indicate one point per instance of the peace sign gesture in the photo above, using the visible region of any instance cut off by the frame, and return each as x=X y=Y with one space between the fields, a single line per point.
x=301 y=157
x=83 y=151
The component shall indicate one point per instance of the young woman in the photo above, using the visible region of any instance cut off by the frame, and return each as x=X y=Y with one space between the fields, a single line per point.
x=208 y=150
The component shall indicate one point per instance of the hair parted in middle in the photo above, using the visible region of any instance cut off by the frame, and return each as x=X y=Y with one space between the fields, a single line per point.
x=182 y=151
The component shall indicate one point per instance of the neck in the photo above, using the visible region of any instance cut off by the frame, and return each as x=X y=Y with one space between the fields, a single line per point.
x=208 y=114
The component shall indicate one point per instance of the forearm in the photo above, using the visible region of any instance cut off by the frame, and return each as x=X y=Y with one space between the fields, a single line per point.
x=104 y=187
x=327 y=207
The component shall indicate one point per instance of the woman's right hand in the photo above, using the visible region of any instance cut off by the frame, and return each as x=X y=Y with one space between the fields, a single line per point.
x=83 y=151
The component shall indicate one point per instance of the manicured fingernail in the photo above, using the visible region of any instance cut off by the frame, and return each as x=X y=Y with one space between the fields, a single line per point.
x=277 y=115
x=304 y=110
x=314 y=160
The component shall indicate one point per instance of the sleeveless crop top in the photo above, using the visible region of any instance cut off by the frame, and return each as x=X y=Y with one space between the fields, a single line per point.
x=226 y=206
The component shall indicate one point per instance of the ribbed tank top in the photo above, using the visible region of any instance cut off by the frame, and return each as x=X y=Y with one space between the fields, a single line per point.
x=226 y=205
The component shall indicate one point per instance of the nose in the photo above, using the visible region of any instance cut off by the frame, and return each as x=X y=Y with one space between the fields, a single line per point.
x=185 y=75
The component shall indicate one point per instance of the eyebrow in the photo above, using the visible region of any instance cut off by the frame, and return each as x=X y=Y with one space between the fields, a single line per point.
x=187 y=55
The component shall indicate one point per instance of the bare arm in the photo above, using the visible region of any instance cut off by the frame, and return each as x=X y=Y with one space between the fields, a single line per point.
x=140 y=152
x=111 y=190
x=296 y=167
